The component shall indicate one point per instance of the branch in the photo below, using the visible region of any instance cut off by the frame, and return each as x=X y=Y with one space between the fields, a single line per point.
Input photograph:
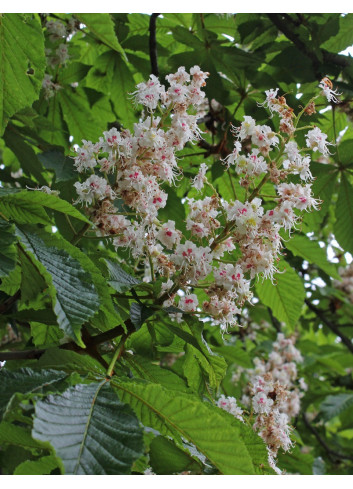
x=328 y=58
x=331 y=453
x=153 y=45
x=283 y=26
x=91 y=343
x=21 y=355
x=332 y=326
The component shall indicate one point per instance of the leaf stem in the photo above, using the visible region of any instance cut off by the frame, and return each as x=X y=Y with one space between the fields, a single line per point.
x=117 y=354
x=80 y=234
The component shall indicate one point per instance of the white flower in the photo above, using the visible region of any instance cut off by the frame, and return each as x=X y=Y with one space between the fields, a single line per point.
x=149 y=93
x=93 y=188
x=200 y=178
x=168 y=235
x=316 y=140
x=229 y=404
x=247 y=127
x=261 y=403
x=86 y=156
x=327 y=91
x=188 y=303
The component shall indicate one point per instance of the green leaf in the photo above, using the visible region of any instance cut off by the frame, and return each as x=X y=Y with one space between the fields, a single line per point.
x=78 y=115
x=235 y=354
x=119 y=279
x=72 y=73
x=11 y=283
x=144 y=369
x=22 y=211
x=301 y=245
x=16 y=435
x=102 y=27
x=112 y=76
x=166 y=458
x=44 y=334
x=192 y=370
x=7 y=249
x=107 y=316
x=42 y=466
x=173 y=210
x=344 y=37
x=27 y=207
x=139 y=313
x=25 y=381
x=24 y=153
x=191 y=333
x=186 y=417
x=75 y=299
x=22 y=62
x=295 y=461
x=285 y=297
x=90 y=429
x=334 y=405
x=344 y=215
x=61 y=164
x=69 y=361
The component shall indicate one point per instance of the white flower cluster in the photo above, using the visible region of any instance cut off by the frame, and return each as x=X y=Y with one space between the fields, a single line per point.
x=58 y=52
x=274 y=394
x=49 y=86
x=135 y=167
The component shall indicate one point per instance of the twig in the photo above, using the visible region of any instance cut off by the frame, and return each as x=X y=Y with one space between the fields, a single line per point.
x=332 y=326
x=283 y=26
x=80 y=234
x=153 y=45
x=90 y=342
x=118 y=352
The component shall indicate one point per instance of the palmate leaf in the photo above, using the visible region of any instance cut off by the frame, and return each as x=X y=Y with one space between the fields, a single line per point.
x=285 y=297
x=183 y=416
x=75 y=299
x=90 y=429
x=22 y=61
x=24 y=381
